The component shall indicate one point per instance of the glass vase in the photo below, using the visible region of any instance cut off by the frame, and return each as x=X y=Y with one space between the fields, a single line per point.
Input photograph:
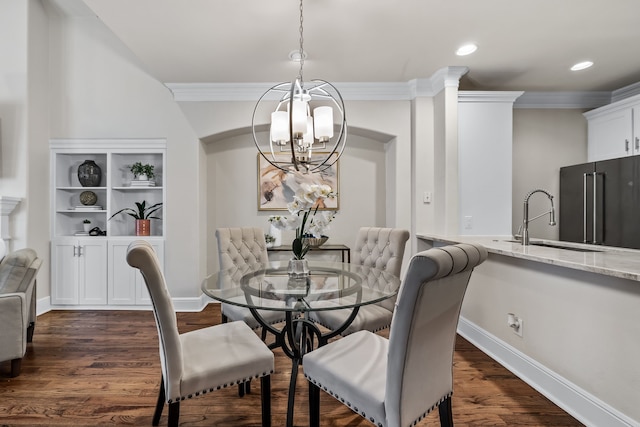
x=298 y=268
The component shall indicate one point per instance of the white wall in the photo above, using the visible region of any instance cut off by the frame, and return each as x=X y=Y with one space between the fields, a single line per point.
x=232 y=190
x=13 y=113
x=374 y=189
x=99 y=90
x=544 y=141
x=37 y=162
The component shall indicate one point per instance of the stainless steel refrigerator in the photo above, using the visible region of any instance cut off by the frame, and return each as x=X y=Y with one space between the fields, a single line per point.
x=600 y=202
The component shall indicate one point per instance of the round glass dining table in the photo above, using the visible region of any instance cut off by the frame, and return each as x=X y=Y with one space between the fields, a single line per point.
x=328 y=286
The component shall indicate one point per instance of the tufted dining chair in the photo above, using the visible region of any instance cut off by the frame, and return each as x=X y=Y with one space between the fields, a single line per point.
x=204 y=360
x=411 y=373
x=383 y=249
x=237 y=248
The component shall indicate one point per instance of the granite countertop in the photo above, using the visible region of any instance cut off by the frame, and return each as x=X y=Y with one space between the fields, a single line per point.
x=610 y=261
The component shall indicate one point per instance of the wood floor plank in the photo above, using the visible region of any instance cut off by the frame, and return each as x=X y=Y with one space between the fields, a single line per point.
x=101 y=368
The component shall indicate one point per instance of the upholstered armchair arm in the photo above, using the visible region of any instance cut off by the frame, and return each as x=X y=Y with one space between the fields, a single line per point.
x=14 y=319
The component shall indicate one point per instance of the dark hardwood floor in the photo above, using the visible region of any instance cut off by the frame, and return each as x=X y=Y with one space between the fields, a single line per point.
x=102 y=368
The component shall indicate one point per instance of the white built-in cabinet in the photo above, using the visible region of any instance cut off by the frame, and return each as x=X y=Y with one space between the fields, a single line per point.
x=614 y=130
x=92 y=270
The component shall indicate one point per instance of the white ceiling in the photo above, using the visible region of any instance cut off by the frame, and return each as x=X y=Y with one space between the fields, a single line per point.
x=523 y=44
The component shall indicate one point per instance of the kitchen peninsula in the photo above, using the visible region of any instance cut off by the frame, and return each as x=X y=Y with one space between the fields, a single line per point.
x=580 y=307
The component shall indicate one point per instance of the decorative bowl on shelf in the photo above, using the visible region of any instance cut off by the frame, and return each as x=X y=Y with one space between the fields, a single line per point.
x=315 y=242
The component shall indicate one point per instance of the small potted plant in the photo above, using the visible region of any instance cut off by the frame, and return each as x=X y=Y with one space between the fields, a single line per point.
x=142 y=172
x=143 y=215
x=270 y=240
x=87 y=225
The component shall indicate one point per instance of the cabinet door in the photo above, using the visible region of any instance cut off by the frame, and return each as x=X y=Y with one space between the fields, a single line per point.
x=126 y=285
x=122 y=276
x=610 y=135
x=636 y=130
x=92 y=271
x=64 y=273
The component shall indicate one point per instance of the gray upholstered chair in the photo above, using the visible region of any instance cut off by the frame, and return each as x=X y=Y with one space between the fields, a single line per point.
x=204 y=360
x=397 y=382
x=18 y=271
x=238 y=247
x=383 y=249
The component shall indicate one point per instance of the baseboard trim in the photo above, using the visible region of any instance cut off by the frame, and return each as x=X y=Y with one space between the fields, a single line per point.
x=580 y=404
x=43 y=305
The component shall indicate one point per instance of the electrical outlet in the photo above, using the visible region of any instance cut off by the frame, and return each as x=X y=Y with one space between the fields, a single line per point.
x=515 y=323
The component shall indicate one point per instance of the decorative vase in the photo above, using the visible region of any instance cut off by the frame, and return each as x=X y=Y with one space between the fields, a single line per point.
x=87 y=227
x=89 y=174
x=315 y=242
x=298 y=268
x=277 y=234
x=88 y=198
x=143 y=227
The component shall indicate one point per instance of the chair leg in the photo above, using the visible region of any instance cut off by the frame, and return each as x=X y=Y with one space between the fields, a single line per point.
x=247 y=387
x=241 y=388
x=265 y=394
x=263 y=334
x=30 y=329
x=174 y=414
x=16 y=365
x=314 y=405
x=159 y=405
x=446 y=413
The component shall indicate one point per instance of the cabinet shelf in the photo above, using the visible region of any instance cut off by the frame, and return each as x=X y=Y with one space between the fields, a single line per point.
x=93 y=269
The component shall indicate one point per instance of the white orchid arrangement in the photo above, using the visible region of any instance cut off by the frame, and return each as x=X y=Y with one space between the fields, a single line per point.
x=305 y=218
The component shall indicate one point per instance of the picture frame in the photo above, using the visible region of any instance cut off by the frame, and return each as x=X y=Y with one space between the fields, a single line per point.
x=276 y=188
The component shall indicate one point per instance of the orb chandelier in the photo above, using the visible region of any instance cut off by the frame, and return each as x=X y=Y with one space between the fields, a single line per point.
x=308 y=128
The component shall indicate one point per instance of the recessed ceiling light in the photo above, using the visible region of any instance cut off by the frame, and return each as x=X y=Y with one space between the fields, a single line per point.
x=467 y=49
x=581 y=66
x=294 y=55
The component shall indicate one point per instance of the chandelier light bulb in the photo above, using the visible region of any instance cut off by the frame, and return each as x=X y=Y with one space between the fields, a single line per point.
x=280 y=127
x=323 y=123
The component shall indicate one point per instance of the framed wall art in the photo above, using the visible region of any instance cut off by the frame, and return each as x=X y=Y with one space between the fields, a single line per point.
x=276 y=188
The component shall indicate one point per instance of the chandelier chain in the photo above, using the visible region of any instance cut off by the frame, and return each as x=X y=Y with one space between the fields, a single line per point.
x=301 y=44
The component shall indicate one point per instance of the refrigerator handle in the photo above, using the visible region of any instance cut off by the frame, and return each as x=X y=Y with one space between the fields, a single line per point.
x=584 y=208
x=595 y=208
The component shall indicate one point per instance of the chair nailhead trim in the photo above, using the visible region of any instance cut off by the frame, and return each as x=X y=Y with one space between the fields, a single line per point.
x=178 y=399
x=379 y=424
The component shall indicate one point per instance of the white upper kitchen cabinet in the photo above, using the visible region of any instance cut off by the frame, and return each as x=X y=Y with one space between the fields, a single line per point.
x=614 y=130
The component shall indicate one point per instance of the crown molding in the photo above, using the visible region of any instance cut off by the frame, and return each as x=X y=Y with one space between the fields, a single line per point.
x=354 y=91
x=625 y=92
x=406 y=91
x=489 y=96
x=560 y=100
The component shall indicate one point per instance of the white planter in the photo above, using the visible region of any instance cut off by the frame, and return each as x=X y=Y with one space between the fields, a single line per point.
x=277 y=234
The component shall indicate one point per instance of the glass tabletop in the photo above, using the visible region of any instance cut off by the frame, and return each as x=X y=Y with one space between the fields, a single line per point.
x=329 y=286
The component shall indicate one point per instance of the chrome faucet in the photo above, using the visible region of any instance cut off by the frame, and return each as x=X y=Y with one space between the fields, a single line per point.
x=526 y=220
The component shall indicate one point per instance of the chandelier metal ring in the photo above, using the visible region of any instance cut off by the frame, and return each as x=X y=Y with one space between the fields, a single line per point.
x=302 y=123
